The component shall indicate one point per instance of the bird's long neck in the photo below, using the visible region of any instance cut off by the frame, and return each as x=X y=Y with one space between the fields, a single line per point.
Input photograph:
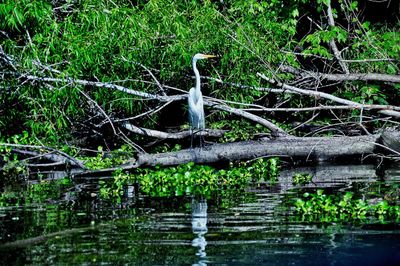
x=197 y=74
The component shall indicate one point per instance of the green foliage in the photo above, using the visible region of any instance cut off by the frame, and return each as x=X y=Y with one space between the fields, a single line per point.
x=166 y=147
x=328 y=208
x=16 y=15
x=263 y=169
x=115 y=190
x=364 y=42
x=99 y=161
x=302 y=178
x=185 y=179
x=10 y=162
x=191 y=179
x=237 y=130
x=102 y=40
x=108 y=160
x=93 y=41
x=14 y=164
x=371 y=94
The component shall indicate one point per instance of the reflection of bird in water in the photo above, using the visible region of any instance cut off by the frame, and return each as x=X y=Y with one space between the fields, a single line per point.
x=199 y=227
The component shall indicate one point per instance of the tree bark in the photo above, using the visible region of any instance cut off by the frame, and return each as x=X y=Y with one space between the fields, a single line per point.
x=316 y=148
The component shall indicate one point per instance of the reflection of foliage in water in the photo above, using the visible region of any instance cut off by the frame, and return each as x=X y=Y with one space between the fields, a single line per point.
x=321 y=207
x=192 y=179
x=34 y=193
x=29 y=211
x=225 y=199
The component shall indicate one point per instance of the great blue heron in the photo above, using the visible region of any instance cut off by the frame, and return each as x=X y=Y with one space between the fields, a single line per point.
x=195 y=100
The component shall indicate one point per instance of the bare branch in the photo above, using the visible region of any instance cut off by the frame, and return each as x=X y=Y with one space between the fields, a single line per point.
x=332 y=43
x=241 y=86
x=275 y=130
x=342 y=77
x=67 y=158
x=318 y=94
x=167 y=135
x=103 y=85
x=362 y=77
x=151 y=74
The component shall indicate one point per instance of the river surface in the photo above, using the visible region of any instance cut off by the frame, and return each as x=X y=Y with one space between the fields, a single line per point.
x=70 y=224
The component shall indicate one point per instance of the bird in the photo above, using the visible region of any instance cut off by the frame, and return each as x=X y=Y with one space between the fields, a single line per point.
x=195 y=101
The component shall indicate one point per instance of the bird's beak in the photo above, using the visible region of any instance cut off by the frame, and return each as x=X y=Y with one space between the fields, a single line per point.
x=206 y=56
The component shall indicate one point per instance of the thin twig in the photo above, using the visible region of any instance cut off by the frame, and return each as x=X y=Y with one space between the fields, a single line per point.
x=383 y=146
x=150 y=112
x=367 y=60
x=151 y=74
x=100 y=109
x=302 y=124
x=131 y=143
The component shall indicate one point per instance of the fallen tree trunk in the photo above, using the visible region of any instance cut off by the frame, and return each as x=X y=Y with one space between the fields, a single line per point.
x=317 y=148
x=307 y=149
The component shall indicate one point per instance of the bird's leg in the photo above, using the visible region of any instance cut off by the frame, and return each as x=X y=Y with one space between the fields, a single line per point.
x=200 y=144
x=191 y=138
x=199 y=133
x=201 y=138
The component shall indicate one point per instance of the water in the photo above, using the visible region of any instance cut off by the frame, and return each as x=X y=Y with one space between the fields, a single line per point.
x=249 y=227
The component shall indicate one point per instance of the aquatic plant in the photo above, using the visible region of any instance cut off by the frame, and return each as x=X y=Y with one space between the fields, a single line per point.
x=191 y=179
x=302 y=178
x=115 y=189
x=326 y=208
